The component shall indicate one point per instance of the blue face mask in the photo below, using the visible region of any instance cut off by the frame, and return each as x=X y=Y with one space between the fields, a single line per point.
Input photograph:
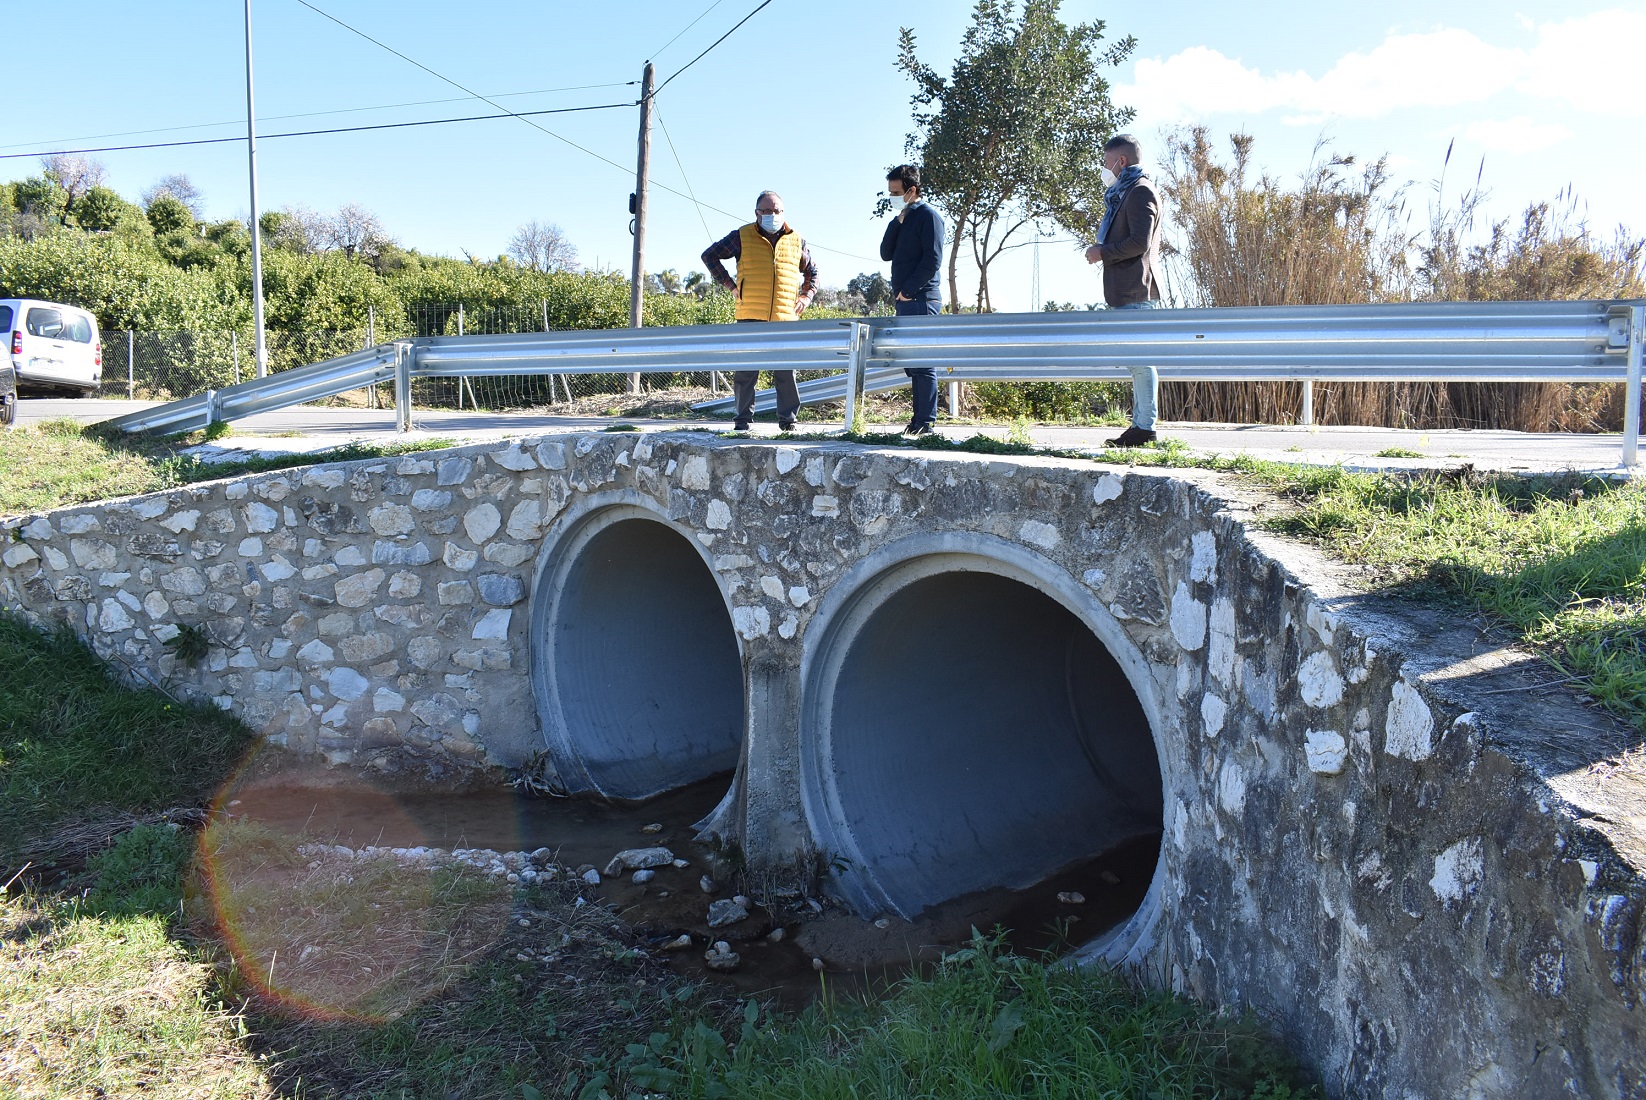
x=771 y=223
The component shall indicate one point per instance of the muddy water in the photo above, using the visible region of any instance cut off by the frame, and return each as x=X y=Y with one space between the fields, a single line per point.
x=358 y=810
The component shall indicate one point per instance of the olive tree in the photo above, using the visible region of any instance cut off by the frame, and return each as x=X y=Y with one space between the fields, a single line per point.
x=1012 y=138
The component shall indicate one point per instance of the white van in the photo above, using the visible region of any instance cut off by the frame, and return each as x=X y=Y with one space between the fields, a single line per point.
x=54 y=348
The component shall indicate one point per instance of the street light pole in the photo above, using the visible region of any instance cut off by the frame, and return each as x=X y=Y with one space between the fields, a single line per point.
x=262 y=352
x=637 y=285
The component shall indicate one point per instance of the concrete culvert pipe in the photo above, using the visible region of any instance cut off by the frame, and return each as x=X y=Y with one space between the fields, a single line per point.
x=640 y=678
x=979 y=735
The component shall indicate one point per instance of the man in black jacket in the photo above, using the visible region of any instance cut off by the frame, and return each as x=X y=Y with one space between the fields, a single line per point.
x=914 y=245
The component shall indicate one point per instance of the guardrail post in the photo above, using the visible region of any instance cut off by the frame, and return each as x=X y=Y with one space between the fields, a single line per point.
x=211 y=407
x=1631 y=389
x=1308 y=402
x=131 y=365
x=954 y=400
x=402 y=387
x=859 y=361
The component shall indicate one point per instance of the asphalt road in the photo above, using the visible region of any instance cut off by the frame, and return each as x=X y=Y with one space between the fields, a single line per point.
x=311 y=427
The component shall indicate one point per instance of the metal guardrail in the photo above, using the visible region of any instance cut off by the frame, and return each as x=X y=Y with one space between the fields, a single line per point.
x=1590 y=341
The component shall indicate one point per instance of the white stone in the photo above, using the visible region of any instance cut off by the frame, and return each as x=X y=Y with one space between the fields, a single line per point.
x=1108 y=488
x=346 y=683
x=825 y=506
x=789 y=627
x=56 y=558
x=19 y=555
x=389 y=520
x=493 y=626
x=323 y=479
x=1220 y=652
x=1318 y=681
x=277 y=569
x=92 y=553
x=113 y=617
x=279 y=648
x=243 y=658
x=79 y=525
x=260 y=518
x=752 y=622
x=250 y=547
x=694 y=473
x=1043 y=535
x=513 y=458
x=1458 y=871
x=1408 y=730
x=384 y=701
x=236 y=490
x=815 y=474
x=39 y=529
x=150 y=508
x=1231 y=789
x=552 y=456
x=182 y=521
x=1327 y=751
x=359 y=590
x=350 y=555
x=1094 y=578
x=800 y=595
x=315 y=653
x=525 y=522
x=787 y=458
x=459 y=558
x=481 y=522
x=719 y=516
x=772 y=586
x=1203 y=557
x=123 y=596
x=1213 y=710
x=1321 y=622
x=430 y=500
x=405 y=584
x=1188 y=619
x=320 y=572
x=155 y=605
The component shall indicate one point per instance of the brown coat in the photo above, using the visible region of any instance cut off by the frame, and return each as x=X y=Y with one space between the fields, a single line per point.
x=1132 y=250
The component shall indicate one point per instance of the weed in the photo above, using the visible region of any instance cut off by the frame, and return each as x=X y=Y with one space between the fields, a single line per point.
x=1398 y=452
x=190 y=644
x=141 y=873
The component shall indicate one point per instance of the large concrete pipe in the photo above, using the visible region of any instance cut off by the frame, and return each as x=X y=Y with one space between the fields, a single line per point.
x=639 y=677
x=974 y=734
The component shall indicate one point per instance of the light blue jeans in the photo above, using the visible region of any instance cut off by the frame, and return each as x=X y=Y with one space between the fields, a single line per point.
x=1145 y=381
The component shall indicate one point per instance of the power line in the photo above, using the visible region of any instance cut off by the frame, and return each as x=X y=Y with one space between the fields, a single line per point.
x=683 y=176
x=313 y=133
x=461 y=88
x=686 y=28
x=712 y=45
x=313 y=114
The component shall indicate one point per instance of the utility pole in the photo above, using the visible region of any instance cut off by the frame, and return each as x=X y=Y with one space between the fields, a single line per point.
x=262 y=352
x=637 y=207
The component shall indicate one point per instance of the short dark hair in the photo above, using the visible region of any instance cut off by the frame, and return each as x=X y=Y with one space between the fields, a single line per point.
x=906 y=174
x=1127 y=144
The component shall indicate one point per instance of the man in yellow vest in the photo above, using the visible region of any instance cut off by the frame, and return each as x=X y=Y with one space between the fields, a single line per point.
x=776 y=280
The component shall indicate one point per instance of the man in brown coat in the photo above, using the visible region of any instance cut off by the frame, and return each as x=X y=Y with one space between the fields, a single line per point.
x=1128 y=247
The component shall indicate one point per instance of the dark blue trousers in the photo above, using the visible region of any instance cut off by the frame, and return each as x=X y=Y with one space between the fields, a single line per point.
x=923 y=380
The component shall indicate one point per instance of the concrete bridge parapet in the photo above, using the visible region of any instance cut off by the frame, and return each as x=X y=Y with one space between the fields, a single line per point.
x=942 y=672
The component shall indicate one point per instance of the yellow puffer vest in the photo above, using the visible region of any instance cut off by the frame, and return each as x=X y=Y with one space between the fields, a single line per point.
x=768 y=275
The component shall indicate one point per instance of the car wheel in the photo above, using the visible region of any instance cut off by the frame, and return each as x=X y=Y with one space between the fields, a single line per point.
x=8 y=411
x=79 y=395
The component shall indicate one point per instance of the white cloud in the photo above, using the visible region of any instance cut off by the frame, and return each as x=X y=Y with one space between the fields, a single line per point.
x=1515 y=135
x=1449 y=67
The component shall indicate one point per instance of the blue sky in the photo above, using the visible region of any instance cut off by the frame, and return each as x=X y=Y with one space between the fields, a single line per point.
x=804 y=99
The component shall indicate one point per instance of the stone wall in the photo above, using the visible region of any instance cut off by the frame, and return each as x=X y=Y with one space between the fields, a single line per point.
x=1376 y=834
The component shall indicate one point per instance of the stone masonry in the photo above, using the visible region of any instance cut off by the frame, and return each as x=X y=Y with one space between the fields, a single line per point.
x=1376 y=835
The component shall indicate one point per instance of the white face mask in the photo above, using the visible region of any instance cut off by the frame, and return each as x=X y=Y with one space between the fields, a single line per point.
x=1108 y=176
x=771 y=223
x=899 y=201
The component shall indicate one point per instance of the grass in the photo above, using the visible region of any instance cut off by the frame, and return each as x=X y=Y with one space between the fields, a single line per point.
x=61 y=462
x=1398 y=452
x=64 y=718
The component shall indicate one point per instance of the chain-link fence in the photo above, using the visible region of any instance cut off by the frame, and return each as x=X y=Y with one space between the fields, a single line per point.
x=168 y=365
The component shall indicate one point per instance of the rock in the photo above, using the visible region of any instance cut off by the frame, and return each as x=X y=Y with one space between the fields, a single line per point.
x=654 y=827
x=727 y=911
x=684 y=941
x=817 y=965
x=1108 y=878
x=639 y=859
x=682 y=864
x=722 y=957
x=741 y=900
x=592 y=877
x=1071 y=897
x=775 y=935
x=543 y=856
x=708 y=885
x=644 y=876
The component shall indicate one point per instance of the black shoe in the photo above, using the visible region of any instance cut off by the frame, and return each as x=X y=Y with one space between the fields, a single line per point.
x=785 y=425
x=740 y=425
x=914 y=431
x=1132 y=437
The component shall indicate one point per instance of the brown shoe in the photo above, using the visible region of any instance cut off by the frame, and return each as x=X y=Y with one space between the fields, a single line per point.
x=1132 y=437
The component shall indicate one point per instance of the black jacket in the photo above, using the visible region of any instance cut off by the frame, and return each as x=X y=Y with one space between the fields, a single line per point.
x=914 y=245
x=1133 y=248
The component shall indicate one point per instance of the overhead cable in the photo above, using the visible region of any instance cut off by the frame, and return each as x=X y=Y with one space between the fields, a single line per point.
x=700 y=56
x=686 y=28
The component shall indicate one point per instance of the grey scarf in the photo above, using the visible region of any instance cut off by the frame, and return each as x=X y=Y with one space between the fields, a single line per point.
x=1115 y=195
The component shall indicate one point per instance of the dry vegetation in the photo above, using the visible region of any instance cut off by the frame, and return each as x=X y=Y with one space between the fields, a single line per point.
x=1342 y=234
